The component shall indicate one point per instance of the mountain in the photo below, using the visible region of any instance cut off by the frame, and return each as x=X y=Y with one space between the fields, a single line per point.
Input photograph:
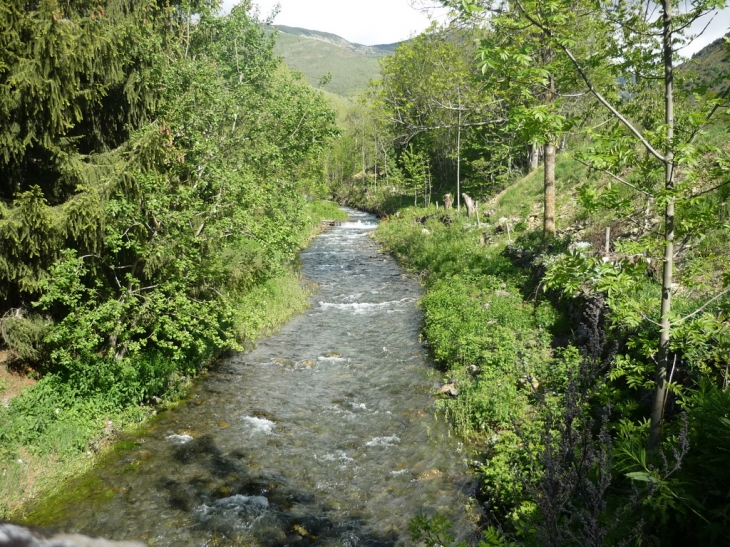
x=316 y=53
x=711 y=66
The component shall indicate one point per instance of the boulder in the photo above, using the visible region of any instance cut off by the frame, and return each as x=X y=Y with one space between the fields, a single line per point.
x=449 y=389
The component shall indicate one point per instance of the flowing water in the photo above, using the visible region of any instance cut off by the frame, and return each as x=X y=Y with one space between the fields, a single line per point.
x=325 y=434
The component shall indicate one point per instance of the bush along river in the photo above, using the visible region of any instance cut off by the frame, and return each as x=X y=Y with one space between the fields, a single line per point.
x=323 y=435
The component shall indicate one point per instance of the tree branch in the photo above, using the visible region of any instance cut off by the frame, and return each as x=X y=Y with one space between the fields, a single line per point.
x=717 y=106
x=592 y=89
x=702 y=307
x=616 y=178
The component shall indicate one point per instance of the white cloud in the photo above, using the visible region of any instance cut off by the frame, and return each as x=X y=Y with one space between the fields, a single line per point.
x=364 y=22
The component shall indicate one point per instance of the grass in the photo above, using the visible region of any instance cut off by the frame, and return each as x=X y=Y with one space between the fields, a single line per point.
x=488 y=339
x=351 y=70
x=522 y=198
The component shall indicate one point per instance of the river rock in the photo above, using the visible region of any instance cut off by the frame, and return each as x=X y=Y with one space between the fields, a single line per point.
x=12 y=535
x=428 y=475
x=449 y=389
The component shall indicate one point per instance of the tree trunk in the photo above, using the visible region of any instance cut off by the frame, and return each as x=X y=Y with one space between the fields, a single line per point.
x=458 y=165
x=549 y=213
x=660 y=393
x=448 y=201
x=376 y=163
x=548 y=226
x=534 y=157
x=470 y=206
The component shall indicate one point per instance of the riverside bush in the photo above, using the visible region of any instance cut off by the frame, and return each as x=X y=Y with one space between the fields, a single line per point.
x=493 y=344
x=534 y=383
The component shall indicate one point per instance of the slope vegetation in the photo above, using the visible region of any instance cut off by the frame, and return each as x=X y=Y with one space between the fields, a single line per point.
x=315 y=53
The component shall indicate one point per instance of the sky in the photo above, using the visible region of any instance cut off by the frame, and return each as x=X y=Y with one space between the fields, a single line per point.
x=368 y=22
x=373 y=22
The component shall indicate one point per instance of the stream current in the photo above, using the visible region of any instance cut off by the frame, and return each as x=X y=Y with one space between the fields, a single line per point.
x=325 y=434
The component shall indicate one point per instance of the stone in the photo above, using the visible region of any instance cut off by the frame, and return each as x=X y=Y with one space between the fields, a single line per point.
x=449 y=389
x=430 y=474
x=530 y=382
x=12 y=535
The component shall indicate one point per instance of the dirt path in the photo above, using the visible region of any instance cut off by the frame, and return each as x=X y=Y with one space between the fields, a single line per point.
x=11 y=382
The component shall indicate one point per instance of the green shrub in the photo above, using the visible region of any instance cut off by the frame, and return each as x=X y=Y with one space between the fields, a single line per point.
x=25 y=336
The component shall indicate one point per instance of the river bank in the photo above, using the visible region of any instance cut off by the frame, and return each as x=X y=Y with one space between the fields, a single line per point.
x=550 y=377
x=69 y=447
x=323 y=434
x=492 y=336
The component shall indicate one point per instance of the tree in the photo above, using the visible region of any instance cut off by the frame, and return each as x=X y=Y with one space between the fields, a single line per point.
x=432 y=93
x=642 y=47
x=535 y=83
x=137 y=238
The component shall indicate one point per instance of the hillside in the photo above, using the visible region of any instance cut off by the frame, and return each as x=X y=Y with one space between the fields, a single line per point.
x=712 y=66
x=315 y=53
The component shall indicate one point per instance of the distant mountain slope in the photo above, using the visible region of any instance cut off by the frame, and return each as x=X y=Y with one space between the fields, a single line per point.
x=315 y=53
x=712 y=66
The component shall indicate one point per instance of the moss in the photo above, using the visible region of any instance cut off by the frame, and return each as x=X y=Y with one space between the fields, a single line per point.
x=61 y=504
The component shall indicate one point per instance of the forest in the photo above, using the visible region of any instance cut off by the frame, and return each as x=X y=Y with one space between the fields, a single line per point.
x=556 y=172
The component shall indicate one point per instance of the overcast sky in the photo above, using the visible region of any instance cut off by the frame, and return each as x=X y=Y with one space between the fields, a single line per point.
x=373 y=22
x=366 y=22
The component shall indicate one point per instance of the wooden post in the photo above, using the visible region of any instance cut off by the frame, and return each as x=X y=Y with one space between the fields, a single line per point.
x=608 y=240
x=479 y=224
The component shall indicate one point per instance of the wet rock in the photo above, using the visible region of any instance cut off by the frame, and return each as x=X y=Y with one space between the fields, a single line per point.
x=258 y=413
x=449 y=389
x=333 y=356
x=193 y=450
x=12 y=535
x=428 y=475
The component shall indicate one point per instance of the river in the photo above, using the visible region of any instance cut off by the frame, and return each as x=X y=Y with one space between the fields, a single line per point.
x=325 y=434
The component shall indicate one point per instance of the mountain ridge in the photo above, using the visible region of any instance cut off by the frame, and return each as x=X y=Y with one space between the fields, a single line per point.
x=378 y=50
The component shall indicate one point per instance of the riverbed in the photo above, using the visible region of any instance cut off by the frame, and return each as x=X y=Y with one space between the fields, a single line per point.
x=325 y=434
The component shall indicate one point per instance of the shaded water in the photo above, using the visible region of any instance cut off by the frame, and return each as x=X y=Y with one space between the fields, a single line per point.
x=323 y=435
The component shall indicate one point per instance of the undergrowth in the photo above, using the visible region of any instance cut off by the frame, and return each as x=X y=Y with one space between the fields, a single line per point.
x=493 y=344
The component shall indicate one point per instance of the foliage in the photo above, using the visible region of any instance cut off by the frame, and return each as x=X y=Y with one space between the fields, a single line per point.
x=494 y=346
x=155 y=162
x=434 y=531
